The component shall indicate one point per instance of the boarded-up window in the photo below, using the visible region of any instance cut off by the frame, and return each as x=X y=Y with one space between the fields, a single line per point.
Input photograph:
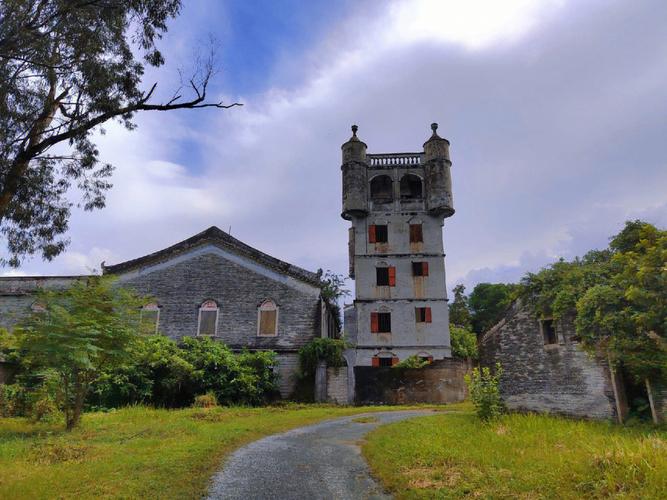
x=380 y=322
x=423 y=314
x=416 y=234
x=208 y=318
x=420 y=268
x=378 y=233
x=149 y=319
x=268 y=319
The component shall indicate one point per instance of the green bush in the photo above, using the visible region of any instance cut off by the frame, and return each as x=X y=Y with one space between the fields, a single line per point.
x=166 y=374
x=321 y=349
x=413 y=361
x=464 y=342
x=483 y=386
x=207 y=400
x=13 y=400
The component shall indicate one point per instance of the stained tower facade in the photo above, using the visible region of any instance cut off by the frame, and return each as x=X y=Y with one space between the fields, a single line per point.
x=397 y=204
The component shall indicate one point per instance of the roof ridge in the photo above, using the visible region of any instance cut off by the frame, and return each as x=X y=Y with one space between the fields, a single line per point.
x=214 y=235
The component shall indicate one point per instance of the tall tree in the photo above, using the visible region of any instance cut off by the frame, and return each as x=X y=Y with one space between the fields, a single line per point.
x=66 y=68
x=488 y=302
x=78 y=333
x=459 y=312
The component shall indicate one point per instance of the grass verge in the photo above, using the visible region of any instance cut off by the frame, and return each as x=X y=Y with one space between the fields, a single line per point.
x=139 y=452
x=518 y=456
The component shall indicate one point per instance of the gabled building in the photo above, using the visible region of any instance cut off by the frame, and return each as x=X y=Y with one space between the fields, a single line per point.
x=212 y=285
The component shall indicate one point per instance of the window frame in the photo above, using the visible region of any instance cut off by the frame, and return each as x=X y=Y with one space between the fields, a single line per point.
x=425 y=313
x=545 y=331
x=408 y=178
x=381 y=199
x=374 y=231
x=376 y=321
x=203 y=308
x=153 y=306
x=416 y=233
x=420 y=268
x=259 y=318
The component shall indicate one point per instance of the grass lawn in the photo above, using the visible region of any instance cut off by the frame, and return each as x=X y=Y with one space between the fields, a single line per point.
x=518 y=456
x=138 y=452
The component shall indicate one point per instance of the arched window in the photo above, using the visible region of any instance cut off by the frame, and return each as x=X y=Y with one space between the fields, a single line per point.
x=411 y=187
x=38 y=307
x=267 y=319
x=149 y=318
x=208 y=319
x=381 y=189
x=384 y=359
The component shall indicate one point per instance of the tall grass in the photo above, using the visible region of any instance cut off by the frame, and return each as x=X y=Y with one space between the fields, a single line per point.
x=524 y=456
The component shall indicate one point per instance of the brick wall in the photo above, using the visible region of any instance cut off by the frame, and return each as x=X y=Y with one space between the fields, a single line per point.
x=559 y=378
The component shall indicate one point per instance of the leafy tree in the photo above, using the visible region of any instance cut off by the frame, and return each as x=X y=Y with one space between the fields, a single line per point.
x=627 y=316
x=66 y=68
x=464 y=342
x=333 y=290
x=459 y=311
x=488 y=303
x=81 y=331
x=321 y=349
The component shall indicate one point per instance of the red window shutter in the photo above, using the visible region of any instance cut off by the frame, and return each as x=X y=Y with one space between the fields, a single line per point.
x=375 y=323
x=394 y=361
x=428 y=314
x=392 y=276
x=376 y=362
x=430 y=359
x=424 y=268
x=416 y=235
x=371 y=234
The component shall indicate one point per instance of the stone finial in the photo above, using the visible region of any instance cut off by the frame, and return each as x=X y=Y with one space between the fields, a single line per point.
x=436 y=146
x=354 y=149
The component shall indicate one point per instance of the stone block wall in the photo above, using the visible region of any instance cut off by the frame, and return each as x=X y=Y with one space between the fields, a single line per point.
x=337 y=385
x=558 y=378
x=440 y=382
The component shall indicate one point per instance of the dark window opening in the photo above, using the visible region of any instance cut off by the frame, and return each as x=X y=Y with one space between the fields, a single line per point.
x=382 y=189
x=411 y=187
x=549 y=332
x=420 y=268
x=382 y=275
x=423 y=314
x=386 y=362
x=416 y=234
x=378 y=233
x=380 y=322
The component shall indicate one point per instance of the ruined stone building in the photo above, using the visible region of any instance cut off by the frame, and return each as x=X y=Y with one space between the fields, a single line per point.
x=546 y=370
x=397 y=203
x=211 y=285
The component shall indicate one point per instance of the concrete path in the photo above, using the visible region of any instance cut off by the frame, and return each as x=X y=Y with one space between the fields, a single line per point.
x=321 y=461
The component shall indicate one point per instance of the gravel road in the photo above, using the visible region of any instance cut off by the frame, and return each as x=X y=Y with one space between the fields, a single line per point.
x=321 y=461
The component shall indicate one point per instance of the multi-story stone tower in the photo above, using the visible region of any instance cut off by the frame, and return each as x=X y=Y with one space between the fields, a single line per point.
x=397 y=203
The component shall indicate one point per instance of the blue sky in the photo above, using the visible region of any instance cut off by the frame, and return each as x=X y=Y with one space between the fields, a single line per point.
x=555 y=110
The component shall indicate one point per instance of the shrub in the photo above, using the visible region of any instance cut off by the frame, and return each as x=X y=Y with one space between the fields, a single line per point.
x=321 y=349
x=464 y=342
x=413 y=361
x=485 y=392
x=13 y=400
x=207 y=400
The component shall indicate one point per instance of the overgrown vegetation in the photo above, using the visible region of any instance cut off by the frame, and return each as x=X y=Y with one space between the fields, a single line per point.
x=413 y=361
x=82 y=349
x=517 y=456
x=464 y=342
x=321 y=349
x=333 y=291
x=484 y=388
x=138 y=452
x=73 y=335
x=617 y=296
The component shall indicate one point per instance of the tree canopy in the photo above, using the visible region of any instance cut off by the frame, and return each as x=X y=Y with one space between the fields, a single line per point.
x=488 y=303
x=66 y=68
x=618 y=297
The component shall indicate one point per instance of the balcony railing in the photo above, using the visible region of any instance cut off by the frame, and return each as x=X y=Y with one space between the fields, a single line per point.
x=388 y=160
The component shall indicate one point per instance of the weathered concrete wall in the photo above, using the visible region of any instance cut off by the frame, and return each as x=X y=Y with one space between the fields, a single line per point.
x=337 y=385
x=559 y=378
x=440 y=382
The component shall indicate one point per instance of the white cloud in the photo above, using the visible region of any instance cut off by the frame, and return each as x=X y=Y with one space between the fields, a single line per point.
x=550 y=148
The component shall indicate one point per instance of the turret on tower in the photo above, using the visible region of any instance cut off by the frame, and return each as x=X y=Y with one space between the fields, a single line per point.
x=354 y=169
